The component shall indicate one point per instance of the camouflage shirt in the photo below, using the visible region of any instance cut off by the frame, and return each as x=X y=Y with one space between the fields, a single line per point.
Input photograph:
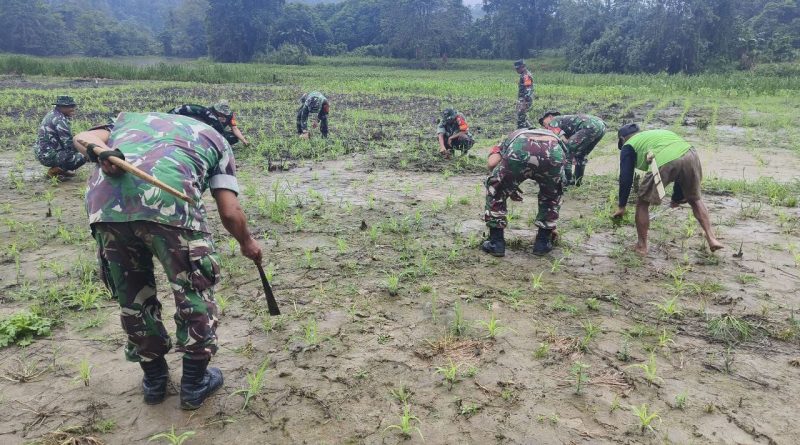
x=54 y=135
x=205 y=115
x=180 y=151
x=569 y=124
x=307 y=99
x=525 y=86
x=453 y=126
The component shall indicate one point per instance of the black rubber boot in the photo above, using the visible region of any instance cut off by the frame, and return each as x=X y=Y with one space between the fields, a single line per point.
x=568 y=174
x=198 y=382
x=496 y=244
x=544 y=242
x=579 y=170
x=154 y=383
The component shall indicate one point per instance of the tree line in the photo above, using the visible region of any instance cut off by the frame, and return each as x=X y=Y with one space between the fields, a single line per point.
x=594 y=35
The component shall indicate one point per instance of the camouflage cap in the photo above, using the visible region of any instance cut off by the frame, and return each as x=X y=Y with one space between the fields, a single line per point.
x=222 y=108
x=519 y=63
x=64 y=101
x=548 y=113
x=448 y=114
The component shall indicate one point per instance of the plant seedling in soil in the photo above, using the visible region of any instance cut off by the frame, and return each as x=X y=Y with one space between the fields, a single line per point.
x=470 y=409
x=492 y=326
x=450 y=373
x=680 y=399
x=669 y=308
x=310 y=332
x=536 y=281
x=393 y=284
x=590 y=331
x=459 y=326
x=665 y=339
x=405 y=426
x=21 y=327
x=644 y=417
x=650 y=369
x=84 y=372
x=580 y=376
x=255 y=382
x=171 y=437
x=593 y=304
x=542 y=351
x=402 y=394
x=730 y=328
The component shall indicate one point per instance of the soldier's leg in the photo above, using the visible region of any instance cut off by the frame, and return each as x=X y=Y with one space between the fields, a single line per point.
x=522 y=113
x=323 y=124
x=498 y=185
x=192 y=268
x=302 y=119
x=463 y=143
x=127 y=268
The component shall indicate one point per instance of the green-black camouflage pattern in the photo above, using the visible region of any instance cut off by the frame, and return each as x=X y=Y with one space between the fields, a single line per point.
x=583 y=133
x=182 y=152
x=527 y=154
x=313 y=102
x=125 y=253
x=54 y=147
x=208 y=117
x=524 y=98
x=457 y=124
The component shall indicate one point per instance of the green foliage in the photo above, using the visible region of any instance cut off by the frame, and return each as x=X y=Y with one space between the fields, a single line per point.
x=645 y=417
x=730 y=328
x=21 y=327
x=405 y=427
x=255 y=382
x=171 y=437
x=578 y=372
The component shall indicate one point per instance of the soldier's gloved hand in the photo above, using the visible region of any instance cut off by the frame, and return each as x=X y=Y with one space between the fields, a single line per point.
x=90 y=152
x=104 y=155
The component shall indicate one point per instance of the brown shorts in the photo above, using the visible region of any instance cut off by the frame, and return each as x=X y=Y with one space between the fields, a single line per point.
x=685 y=172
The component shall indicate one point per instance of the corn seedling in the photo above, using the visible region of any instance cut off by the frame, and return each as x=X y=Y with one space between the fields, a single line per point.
x=222 y=303
x=459 y=326
x=171 y=437
x=536 y=281
x=669 y=308
x=311 y=332
x=255 y=382
x=492 y=326
x=580 y=377
x=341 y=246
x=84 y=372
x=406 y=427
x=593 y=304
x=542 y=350
x=590 y=331
x=402 y=394
x=665 y=339
x=644 y=417
x=449 y=373
x=393 y=284
x=650 y=369
x=555 y=265
x=680 y=399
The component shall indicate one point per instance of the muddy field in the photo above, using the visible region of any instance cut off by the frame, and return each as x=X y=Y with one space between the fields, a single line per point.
x=388 y=302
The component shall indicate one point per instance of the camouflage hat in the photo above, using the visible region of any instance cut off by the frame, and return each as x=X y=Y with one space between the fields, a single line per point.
x=519 y=63
x=222 y=108
x=625 y=131
x=548 y=113
x=448 y=114
x=64 y=101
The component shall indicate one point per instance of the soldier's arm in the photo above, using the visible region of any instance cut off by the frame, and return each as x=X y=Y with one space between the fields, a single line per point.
x=627 y=163
x=64 y=134
x=98 y=137
x=235 y=222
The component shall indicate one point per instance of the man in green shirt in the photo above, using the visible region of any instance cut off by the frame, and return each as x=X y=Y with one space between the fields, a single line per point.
x=132 y=221
x=677 y=162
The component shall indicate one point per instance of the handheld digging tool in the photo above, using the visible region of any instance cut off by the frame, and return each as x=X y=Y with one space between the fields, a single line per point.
x=271 y=303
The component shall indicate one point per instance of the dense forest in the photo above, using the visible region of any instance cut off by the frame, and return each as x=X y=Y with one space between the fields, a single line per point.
x=594 y=35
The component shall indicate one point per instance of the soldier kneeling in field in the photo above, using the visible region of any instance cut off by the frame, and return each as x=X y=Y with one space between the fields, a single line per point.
x=54 y=147
x=313 y=102
x=219 y=116
x=524 y=154
x=453 y=133
x=676 y=161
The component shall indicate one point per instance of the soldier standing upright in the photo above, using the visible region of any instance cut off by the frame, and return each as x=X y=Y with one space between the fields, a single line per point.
x=524 y=95
x=453 y=133
x=313 y=102
x=581 y=133
x=54 y=146
x=524 y=154
x=132 y=221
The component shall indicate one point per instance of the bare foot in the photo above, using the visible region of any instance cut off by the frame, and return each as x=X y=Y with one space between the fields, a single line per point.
x=640 y=250
x=714 y=245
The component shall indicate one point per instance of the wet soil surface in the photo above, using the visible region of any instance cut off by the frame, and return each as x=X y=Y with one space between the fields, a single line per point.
x=337 y=232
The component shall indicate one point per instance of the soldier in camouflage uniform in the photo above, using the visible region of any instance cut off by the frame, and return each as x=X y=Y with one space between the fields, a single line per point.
x=524 y=95
x=453 y=133
x=581 y=133
x=219 y=116
x=313 y=102
x=524 y=154
x=132 y=221
x=54 y=146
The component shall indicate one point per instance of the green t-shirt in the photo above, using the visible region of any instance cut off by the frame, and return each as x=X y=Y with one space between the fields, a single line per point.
x=182 y=152
x=664 y=144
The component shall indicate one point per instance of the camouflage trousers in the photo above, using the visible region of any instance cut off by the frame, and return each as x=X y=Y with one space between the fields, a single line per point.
x=523 y=106
x=65 y=159
x=125 y=253
x=583 y=142
x=302 y=121
x=542 y=161
x=461 y=143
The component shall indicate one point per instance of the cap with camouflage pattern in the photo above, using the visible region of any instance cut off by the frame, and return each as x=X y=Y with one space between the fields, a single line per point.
x=222 y=108
x=64 y=101
x=519 y=63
